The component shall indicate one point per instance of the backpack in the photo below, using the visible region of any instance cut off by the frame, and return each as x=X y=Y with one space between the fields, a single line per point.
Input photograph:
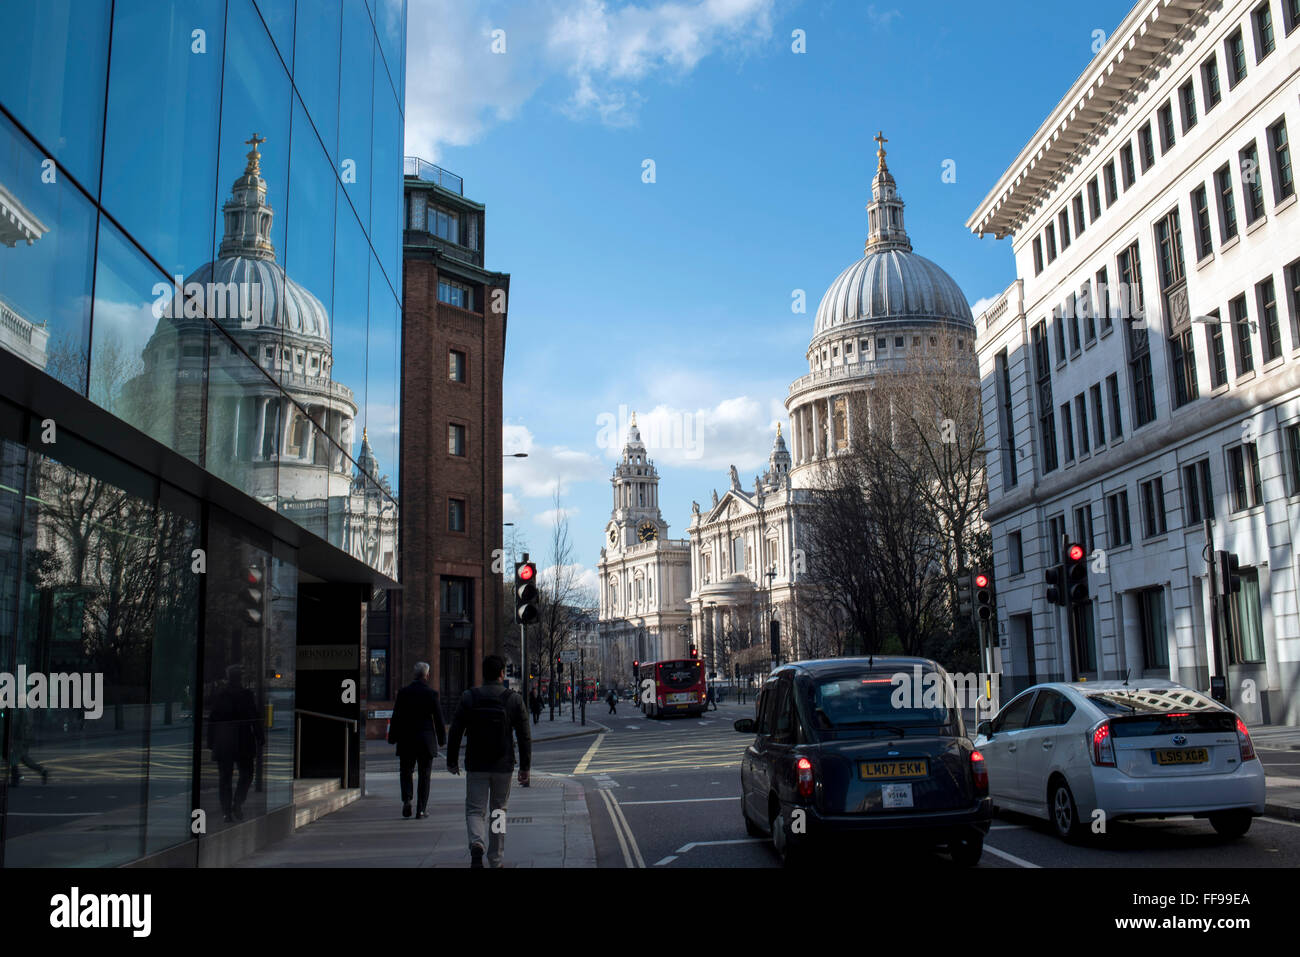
x=488 y=727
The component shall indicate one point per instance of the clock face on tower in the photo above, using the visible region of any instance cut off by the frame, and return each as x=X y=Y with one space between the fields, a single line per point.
x=648 y=532
x=613 y=536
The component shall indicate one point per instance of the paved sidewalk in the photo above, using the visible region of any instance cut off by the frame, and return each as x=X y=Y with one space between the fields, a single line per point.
x=564 y=726
x=1278 y=749
x=547 y=825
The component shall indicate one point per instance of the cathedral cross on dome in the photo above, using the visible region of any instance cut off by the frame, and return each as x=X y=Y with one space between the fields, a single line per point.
x=254 y=158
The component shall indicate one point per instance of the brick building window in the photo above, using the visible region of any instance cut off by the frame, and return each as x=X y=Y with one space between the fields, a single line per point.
x=455 y=515
x=456 y=439
x=456 y=366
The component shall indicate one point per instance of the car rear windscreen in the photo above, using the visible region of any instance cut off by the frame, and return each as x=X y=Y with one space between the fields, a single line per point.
x=877 y=698
x=1138 y=712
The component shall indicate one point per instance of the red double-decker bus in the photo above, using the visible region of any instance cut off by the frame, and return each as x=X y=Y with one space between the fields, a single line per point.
x=676 y=686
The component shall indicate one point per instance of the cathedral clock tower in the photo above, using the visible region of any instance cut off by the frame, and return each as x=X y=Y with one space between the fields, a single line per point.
x=635 y=518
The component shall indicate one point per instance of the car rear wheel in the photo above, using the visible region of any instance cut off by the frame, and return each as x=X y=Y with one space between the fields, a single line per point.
x=1065 y=815
x=790 y=848
x=751 y=828
x=966 y=851
x=1231 y=823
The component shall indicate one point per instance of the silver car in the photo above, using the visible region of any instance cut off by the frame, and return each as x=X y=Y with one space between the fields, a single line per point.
x=1083 y=754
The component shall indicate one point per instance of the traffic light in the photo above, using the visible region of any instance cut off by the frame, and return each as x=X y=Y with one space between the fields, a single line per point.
x=252 y=595
x=1229 y=573
x=774 y=638
x=964 y=592
x=636 y=669
x=526 y=592
x=695 y=652
x=1055 y=577
x=1076 y=575
x=984 y=596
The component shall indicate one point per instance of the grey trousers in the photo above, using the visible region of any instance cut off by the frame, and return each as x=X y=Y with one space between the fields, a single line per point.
x=487 y=792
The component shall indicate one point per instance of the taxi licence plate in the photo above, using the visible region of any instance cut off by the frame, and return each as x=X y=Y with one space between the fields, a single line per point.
x=878 y=770
x=1182 y=756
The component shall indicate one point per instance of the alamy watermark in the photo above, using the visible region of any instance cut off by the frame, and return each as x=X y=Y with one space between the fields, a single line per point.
x=660 y=430
x=930 y=689
x=214 y=300
x=38 y=691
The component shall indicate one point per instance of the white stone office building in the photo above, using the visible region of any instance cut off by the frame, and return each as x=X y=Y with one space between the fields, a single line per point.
x=1143 y=373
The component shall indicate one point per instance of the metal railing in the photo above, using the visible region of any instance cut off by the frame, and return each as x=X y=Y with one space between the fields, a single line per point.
x=298 y=714
x=432 y=173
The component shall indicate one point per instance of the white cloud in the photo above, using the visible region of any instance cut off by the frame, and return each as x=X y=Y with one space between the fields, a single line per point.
x=981 y=304
x=547 y=468
x=735 y=431
x=457 y=87
x=549 y=517
x=882 y=18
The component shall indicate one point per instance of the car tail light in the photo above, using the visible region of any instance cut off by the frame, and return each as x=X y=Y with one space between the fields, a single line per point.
x=1101 y=746
x=1243 y=740
x=804 y=769
x=980 y=771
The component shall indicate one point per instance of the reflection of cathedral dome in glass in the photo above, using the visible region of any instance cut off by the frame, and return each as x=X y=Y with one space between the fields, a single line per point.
x=284 y=303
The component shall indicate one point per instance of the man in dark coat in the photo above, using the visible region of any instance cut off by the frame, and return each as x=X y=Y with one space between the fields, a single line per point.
x=417 y=717
x=492 y=718
x=535 y=705
x=611 y=701
x=234 y=734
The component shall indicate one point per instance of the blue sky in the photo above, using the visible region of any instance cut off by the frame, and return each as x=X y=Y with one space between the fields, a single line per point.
x=674 y=298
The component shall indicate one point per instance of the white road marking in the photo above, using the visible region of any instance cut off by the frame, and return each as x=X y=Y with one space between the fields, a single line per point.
x=616 y=816
x=679 y=801
x=667 y=860
x=743 y=840
x=1018 y=861
x=591 y=753
x=1273 y=820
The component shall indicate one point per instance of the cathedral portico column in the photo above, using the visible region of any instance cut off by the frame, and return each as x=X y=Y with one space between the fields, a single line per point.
x=261 y=427
x=816 y=427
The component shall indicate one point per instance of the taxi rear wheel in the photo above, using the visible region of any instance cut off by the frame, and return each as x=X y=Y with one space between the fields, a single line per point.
x=751 y=828
x=792 y=849
x=966 y=851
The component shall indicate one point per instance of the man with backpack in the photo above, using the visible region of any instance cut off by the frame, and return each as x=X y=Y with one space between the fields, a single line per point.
x=491 y=717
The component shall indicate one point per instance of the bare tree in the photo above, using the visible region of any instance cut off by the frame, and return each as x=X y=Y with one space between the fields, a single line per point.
x=559 y=594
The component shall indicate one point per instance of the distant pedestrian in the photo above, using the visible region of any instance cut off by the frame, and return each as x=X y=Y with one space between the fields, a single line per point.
x=492 y=718
x=713 y=699
x=235 y=736
x=417 y=717
x=535 y=705
x=612 y=701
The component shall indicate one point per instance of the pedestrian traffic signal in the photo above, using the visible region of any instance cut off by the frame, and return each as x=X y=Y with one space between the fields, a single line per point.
x=526 y=592
x=1229 y=573
x=984 y=596
x=964 y=592
x=252 y=595
x=1076 y=575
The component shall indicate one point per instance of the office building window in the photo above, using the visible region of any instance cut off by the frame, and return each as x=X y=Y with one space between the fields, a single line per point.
x=1108 y=178
x=1117 y=513
x=1279 y=151
x=456 y=439
x=1067 y=431
x=1235 y=52
x=1243 y=476
x=1058 y=326
x=1046 y=415
x=1151 y=617
x=1166 y=117
x=456 y=366
x=1241 y=325
x=1198 y=492
x=1210 y=83
x=1201 y=222
x=1072 y=312
x=1101 y=299
x=1055 y=534
x=1187 y=101
x=1290 y=15
x=1218 y=361
x=1087 y=313
x=1247 y=646
x=1050 y=234
x=1251 y=186
x=1038 y=255
x=1079 y=221
x=455 y=515
x=1094 y=199
x=1098 y=417
x=1153 y=507
x=1292 y=434
x=1116 y=419
x=1291 y=275
x=1064 y=219
x=1081 y=421
x=1270 y=329
x=1008 y=437
x=1139 y=346
x=1261 y=19
x=1015 y=553
x=1147 y=149
x=1178 y=319
x=455 y=294
x=1083 y=526
x=1126 y=168
x=1227 y=207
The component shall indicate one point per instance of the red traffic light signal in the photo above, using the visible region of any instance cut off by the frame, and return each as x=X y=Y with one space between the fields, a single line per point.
x=1075 y=553
x=527 y=571
x=984 y=597
x=526 y=595
x=981 y=581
